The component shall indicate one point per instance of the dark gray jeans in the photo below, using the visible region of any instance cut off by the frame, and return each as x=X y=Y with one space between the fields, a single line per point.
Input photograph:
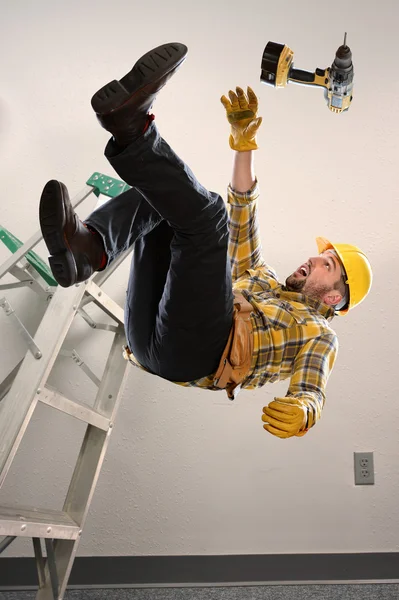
x=179 y=302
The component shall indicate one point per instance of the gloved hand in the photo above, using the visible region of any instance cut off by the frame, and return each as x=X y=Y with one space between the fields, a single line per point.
x=241 y=112
x=286 y=417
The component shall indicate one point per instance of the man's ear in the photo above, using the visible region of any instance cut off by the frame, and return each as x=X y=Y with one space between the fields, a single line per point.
x=332 y=298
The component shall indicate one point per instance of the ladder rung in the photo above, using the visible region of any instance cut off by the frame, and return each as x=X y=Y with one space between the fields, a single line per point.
x=32 y=522
x=108 y=186
x=74 y=409
x=109 y=306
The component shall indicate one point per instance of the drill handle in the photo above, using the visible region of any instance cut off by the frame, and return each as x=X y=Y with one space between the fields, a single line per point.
x=319 y=78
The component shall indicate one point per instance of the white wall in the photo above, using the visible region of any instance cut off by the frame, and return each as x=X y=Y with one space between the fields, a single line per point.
x=187 y=471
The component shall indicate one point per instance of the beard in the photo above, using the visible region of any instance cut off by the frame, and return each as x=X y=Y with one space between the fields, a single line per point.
x=295 y=285
x=316 y=291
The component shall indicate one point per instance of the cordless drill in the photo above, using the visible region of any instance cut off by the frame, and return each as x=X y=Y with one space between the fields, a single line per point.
x=277 y=69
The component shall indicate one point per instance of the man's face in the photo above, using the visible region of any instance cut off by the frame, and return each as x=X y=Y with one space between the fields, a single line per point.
x=317 y=278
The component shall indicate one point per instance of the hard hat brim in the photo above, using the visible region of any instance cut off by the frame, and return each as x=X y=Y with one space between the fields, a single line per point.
x=324 y=244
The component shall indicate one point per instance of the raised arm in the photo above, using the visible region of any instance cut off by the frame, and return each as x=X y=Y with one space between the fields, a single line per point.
x=243 y=176
x=244 y=241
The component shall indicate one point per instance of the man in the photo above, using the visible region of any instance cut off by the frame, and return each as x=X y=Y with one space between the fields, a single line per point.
x=203 y=308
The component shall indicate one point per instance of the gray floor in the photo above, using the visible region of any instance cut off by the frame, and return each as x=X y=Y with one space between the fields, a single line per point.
x=305 y=592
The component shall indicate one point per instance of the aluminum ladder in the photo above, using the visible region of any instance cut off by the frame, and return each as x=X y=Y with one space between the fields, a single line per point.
x=26 y=385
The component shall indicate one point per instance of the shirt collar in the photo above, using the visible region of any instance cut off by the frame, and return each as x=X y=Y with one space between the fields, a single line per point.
x=327 y=311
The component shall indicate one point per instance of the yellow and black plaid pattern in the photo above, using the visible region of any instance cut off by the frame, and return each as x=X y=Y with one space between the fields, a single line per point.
x=292 y=336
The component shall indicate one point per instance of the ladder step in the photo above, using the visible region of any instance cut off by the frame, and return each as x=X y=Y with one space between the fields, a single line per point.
x=108 y=186
x=33 y=522
x=109 y=306
x=74 y=409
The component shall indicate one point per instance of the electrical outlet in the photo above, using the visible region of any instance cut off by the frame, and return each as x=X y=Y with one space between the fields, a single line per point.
x=364 y=468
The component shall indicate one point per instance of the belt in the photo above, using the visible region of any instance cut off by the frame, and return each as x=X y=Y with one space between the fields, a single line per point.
x=236 y=359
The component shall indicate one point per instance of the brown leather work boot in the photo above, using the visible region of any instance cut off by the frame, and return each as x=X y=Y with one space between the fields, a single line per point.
x=122 y=106
x=75 y=251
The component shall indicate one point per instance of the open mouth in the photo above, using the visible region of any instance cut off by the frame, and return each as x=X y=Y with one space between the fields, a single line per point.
x=304 y=270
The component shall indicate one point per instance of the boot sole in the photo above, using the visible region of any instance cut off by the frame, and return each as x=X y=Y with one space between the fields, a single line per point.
x=148 y=69
x=52 y=222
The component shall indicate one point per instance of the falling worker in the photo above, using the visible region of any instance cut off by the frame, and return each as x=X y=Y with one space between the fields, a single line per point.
x=203 y=308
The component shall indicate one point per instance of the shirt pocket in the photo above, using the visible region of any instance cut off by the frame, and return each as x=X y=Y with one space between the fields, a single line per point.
x=297 y=314
x=281 y=316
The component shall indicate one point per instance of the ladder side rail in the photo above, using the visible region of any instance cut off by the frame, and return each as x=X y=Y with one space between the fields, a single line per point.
x=102 y=276
x=45 y=591
x=17 y=407
x=39 y=560
x=52 y=567
x=88 y=466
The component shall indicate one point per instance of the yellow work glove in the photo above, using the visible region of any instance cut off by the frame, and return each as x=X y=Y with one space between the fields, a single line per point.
x=241 y=112
x=286 y=417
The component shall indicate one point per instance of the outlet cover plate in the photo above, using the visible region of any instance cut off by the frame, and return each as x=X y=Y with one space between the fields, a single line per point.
x=364 y=468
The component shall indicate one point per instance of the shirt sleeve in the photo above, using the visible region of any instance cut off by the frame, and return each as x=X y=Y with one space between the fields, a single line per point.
x=311 y=370
x=245 y=250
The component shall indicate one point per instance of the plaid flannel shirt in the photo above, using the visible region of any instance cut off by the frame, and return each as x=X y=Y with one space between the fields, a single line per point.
x=292 y=335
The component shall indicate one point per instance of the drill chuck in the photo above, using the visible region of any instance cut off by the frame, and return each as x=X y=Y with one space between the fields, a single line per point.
x=343 y=58
x=339 y=94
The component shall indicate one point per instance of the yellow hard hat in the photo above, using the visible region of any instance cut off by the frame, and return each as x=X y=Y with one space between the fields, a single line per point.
x=357 y=268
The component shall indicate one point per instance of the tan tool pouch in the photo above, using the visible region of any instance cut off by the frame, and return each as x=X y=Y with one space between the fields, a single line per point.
x=236 y=359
